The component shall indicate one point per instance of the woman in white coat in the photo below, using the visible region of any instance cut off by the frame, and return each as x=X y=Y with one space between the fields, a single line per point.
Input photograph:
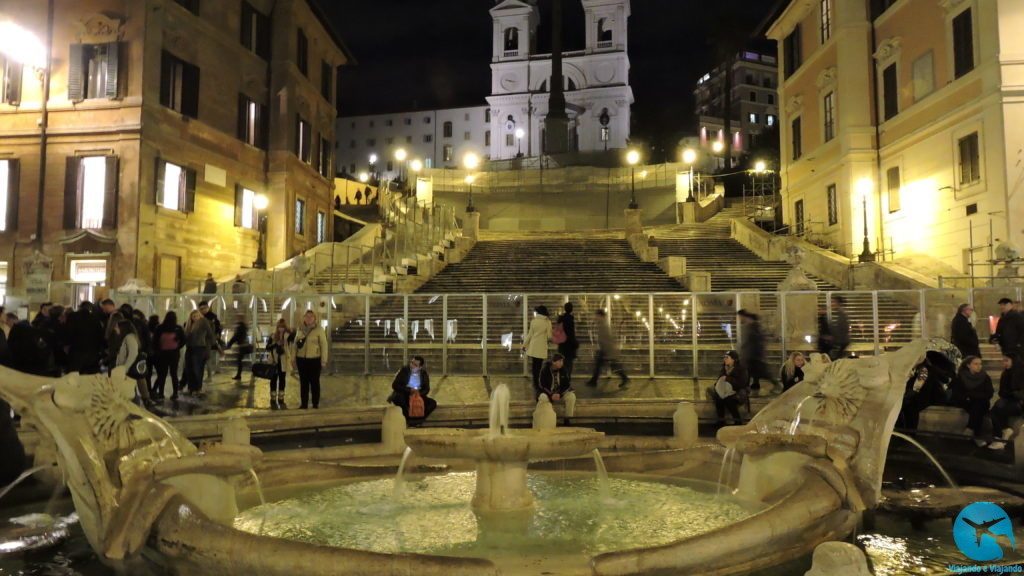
x=536 y=342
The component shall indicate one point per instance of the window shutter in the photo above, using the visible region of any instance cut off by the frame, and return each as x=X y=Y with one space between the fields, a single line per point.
x=12 y=82
x=246 y=36
x=113 y=54
x=110 y=193
x=263 y=36
x=238 y=205
x=159 y=179
x=165 y=79
x=242 y=119
x=72 y=193
x=190 y=91
x=76 y=85
x=13 y=180
x=189 y=201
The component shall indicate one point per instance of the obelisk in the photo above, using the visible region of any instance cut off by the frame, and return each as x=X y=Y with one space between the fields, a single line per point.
x=556 y=124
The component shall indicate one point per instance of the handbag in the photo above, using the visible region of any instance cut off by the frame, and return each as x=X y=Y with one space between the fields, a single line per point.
x=558 y=335
x=416 y=407
x=139 y=367
x=264 y=370
x=245 y=349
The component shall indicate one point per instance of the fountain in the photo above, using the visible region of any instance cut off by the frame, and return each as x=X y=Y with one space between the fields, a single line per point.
x=502 y=454
x=136 y=482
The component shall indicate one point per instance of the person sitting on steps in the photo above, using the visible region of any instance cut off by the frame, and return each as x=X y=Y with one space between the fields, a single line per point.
x=554 y=385
x=412 y=380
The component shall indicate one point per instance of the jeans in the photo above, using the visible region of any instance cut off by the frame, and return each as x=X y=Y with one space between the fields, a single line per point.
x=599 y=359
x=278 y=381
x=732 y=404
x=195 y=362
x=212 y=362
x=309 y=381
x=535 y=365
x=1002 y=413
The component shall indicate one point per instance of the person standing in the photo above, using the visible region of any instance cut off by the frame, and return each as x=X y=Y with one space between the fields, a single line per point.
x=752 y=351
x=535 y=344
x=962 y=332
x=570 y=346
x=168 y=338
x=824 y=337
x=607 y=351
x=238 y=286
x=212 y=362
x=245 y=348
x=199 y=338
x=85 y=340
x=412 y=380
x=1010 y=330
x=210 y=285
x=973 y=391
x=128 y=356
x=555 y=386
x=280 y=348
x=310 y=358
x=839 y=328
x=731 y=389
x=1008 y=406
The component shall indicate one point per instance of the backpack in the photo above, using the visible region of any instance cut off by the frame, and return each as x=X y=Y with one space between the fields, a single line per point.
x=168 y=341
x=558 y=335
x=417 y=409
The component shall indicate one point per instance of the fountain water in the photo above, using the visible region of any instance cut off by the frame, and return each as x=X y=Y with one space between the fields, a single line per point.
x=945 y=475
x=399 y=490
x=797 y=414
x=603 y=485
x=499 y=410
x=24 y=476
x=725 y=472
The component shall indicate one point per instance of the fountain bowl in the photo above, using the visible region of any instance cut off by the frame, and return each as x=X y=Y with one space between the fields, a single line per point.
x=518 y=445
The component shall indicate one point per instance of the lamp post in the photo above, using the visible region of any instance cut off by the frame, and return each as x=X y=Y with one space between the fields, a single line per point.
x=866 y=255
x=689 y=157
x=632 y=157
x=519 y=141
x=400 y=156
x=260 y=203
x=470 y=161
x=373 y=165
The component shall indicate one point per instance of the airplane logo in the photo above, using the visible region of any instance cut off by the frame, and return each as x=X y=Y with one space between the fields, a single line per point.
x=977 y=521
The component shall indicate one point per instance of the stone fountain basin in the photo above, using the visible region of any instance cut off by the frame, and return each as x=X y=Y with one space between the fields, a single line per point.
x=518 y=445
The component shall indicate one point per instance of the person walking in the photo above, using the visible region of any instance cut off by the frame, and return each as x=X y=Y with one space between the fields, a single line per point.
x=238 y=286
x=168 y=338
x=839 y=328
x=245 y=348
x=569 y=345
x=1008 y=406
x=535 y=344
x=210 y=285
x=555 y=386
x=213 y=361
x=973 y=391
x=199 y=338
x=607 y=351
x=731 y=389
x=1010 y=330
x=310 y=358
x=962 y=332
x=280 y=348
x=412 y=380
x=824 y=337
x=752 y=352
x=127 y=355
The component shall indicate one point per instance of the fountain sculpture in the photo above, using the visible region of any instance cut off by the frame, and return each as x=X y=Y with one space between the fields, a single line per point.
x=137 y=482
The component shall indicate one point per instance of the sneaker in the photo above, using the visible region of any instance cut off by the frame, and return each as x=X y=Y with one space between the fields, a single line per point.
x=997 y=445
x=980 y=442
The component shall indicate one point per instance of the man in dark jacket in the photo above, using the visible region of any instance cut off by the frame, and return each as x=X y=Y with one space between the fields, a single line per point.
x=412 y=379
x=962 y=332
x=212 y=365
x=1009 y=404
x=571 y=345
x=86 y=343
x=553 y=385
x=1010 y=330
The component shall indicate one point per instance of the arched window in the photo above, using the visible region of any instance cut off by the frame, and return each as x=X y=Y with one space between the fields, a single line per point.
x=447 y=129
x=511 y=39
x=569 y=84
x=604 y=34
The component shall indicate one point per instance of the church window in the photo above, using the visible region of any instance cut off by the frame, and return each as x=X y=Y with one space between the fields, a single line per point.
x=511 y=40
x=604 y=33
x=448 y=153
x=447 y=129
x=487 y=138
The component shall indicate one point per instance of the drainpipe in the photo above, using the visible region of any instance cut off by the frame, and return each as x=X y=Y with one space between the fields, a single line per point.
x=880 y=241
x=43 y=122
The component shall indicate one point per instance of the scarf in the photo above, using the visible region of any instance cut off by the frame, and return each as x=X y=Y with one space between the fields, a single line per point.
x=972 y=381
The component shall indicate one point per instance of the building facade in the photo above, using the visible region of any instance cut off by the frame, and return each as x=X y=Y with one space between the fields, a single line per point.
x=597 y=92
x=754 y=102
x=902 y=126
x=164 y=120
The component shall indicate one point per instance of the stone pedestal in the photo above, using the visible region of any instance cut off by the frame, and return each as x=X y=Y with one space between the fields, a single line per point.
x=801 y=317
x=544 y=417
x=502 y=486
x=684 y=424
x=832 y=558
x=236 y=431
x=686 y=212
x=471 y=225
x=634 y=222
x=698 y=281
x=392 y=430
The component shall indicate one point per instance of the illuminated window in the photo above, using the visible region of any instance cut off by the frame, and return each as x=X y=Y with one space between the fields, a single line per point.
x=969 y=159
x=94 y=183
x=321 y=227
x=92 y=271
x=300 y=216
x=245 y=208
x=829 y=116
x=11 y=73
x=448 y=153
x=92 y=71
x=833 y=205
x=90 y=192
x=175 y=187
x=252 y=122
x=3 y=278
x=8 y=194
x=304 y=140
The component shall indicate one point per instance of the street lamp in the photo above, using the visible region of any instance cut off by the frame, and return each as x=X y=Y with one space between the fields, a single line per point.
x=632 y=157
x=470 y=161
x=717 y=146
x=373 y=165
x=260 y=204
x=469 y=182
x=865 y=188
x=363 y=177
x=760 y=166
x=689 y=157
x=519 y=141
x=401 y=155
x=416 y=165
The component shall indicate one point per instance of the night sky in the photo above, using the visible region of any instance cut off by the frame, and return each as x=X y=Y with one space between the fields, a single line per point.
x=423 y=54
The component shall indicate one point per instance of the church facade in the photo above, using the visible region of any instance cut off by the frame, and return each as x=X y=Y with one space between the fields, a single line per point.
x=512 y=123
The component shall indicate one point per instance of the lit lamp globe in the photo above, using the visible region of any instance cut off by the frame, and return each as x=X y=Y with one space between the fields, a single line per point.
x=717 y=147
x=632 y=157
x=760 y=166
x=373 y=158
x=400 y=154
x=363 y=176
x=470 y=161
x=689 y=157
x=416 y=165
x=260 y=202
